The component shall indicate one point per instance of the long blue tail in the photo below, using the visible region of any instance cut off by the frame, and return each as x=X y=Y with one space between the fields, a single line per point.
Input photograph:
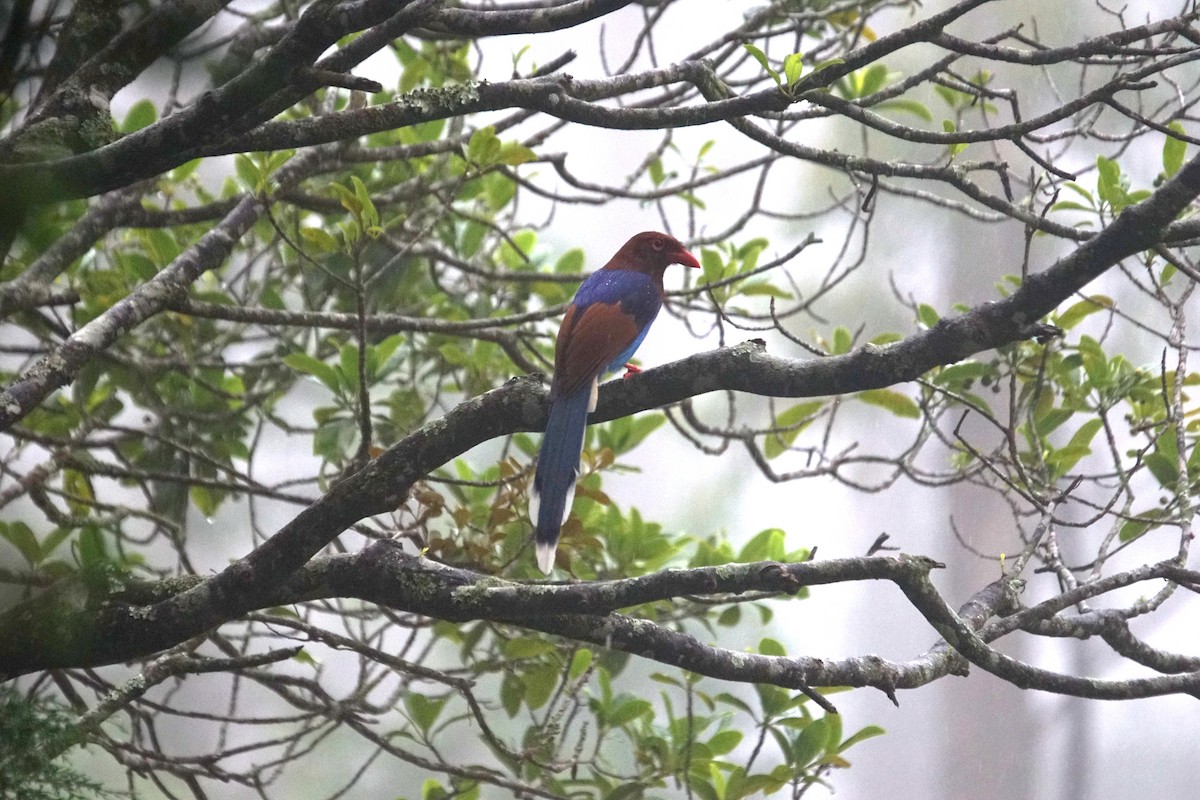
x=557 y=468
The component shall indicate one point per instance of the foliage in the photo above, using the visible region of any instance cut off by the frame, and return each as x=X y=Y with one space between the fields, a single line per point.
x=25 y=774
x=258 y=343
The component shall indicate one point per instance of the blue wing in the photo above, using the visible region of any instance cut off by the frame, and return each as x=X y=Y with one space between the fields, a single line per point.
x=604 y=326
x=636 y=293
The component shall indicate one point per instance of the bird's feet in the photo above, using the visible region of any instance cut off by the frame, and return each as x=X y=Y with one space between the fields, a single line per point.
x=630 y=371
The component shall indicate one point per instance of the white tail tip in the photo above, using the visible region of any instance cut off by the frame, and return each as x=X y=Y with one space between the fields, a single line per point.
x=545 y=557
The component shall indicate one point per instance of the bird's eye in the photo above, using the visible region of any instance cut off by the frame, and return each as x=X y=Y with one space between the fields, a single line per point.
x=657 y=244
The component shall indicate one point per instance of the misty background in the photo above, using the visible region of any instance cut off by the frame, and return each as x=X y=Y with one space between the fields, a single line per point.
x=975 y=737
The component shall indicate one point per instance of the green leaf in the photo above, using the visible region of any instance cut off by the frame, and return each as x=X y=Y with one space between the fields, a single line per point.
x=335 y=435
x=763 y=288
x=1164 y=470
x=1087 y=431
x=628 y=435
x=54 y=539
x=810 y=743
x=247 y=172
x=766 y=545
x=1192 y=465
x=724 y=741
x=384 y=349
x=627 y=791
x=514 y=153
x=185 y=170
x=1108 y=182
x=422 y=710
x=1083 y=309
x=821 y=66
x=370 y=216
x=141 y=114
x=899 y=404
x=1062 y=459
x=801 y=416
x=770 y=647
x=93 y=549
x=319 y=238
x=1095 y=363
x=580 y=662
x=927 y=315
x=499 y=190
x=629 y=709
x=527 y=647
x=1164 y=462
x=1082 y=192
x=483 y=148
x=306 y=658
x=1132 y=529
x=949 y=127
x=21 y=536
x=874 y=78
x=917 y=109
x=871 y=80
x=347 y=198
x=161 y=245
x=79 y=491
x=761 y=58
x=1174 y=150
x=655 y=168
x=842 y=341
x=749 y=252
x=712 y=267
x=207 y=500
x=962 y=374
x=1168 y=272
x=517 y=56
x=277 y=159
x=1070 y=205
x=472 y=237
x=869 y=732
x=772 y=699
x=733 y=700
x=540 y=683
x=1047 y=421
x=742 y=785
x=793 y=68
x=515 y=251
x=730 y=617
x=348 y=365
x=569 y=262
x=303 y=362
x=834 y=722
x=952 y=97
x=512 y=691
x=454 y=355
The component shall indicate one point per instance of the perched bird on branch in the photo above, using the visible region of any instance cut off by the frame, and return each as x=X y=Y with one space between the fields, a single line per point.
x=603 y=326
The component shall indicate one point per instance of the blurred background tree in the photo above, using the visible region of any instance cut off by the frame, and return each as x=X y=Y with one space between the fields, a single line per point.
x=279 y=287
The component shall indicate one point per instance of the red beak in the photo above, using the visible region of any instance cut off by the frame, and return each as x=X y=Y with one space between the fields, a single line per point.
x=687 y=259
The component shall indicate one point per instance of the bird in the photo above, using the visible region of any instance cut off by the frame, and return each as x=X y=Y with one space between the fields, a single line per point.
x=603 y=326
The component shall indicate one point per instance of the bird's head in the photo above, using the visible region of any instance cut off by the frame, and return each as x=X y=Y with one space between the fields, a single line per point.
x=652 y=252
